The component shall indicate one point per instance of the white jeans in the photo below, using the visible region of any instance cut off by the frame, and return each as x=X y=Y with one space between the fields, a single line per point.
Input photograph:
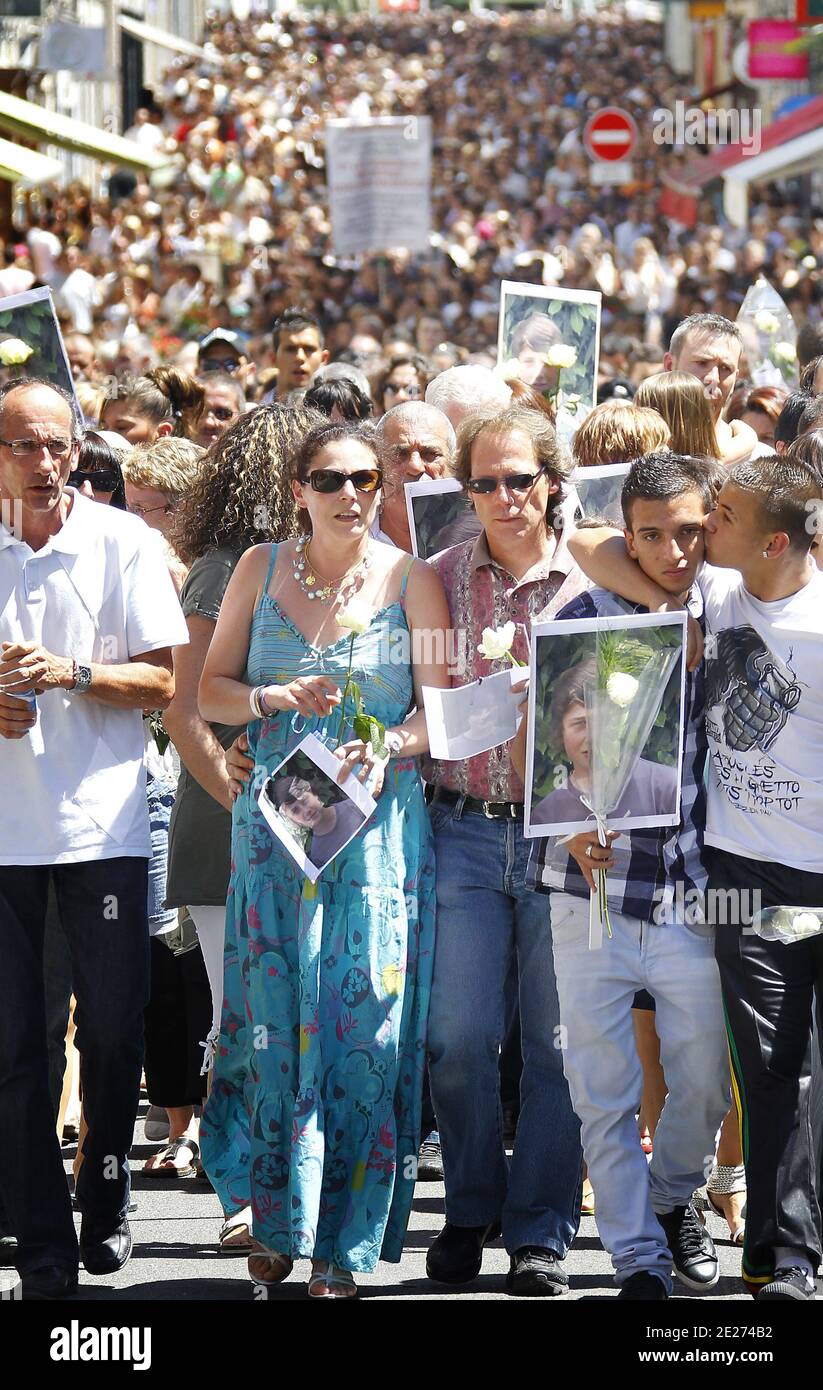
x=600 y=1060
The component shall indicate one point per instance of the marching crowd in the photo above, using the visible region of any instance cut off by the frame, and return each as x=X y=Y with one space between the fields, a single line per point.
x=193 y=574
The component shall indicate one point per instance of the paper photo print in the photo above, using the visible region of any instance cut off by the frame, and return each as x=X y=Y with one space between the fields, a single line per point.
x=307 y=811
x=440 y=515
x=470 y=719
x=31 y=343
x=606 y=708
x=550 y=338
x=598 y=492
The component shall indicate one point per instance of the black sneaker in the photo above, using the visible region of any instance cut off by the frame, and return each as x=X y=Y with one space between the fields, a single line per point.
x=790 y=1281
x=536 y=1273
x=430 y=1162
x=643 y=1287
x=456 y=1255
x=693 y=1253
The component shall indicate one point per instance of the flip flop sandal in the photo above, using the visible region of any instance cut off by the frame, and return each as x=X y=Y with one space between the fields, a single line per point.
x=233 y=1225
x=168 y=1155
x=280 y=1266
x=327 y=1278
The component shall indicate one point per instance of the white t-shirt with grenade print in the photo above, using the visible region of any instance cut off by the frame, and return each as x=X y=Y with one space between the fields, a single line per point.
x=764 y=719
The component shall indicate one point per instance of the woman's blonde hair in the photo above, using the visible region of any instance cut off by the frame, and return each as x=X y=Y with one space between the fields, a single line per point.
x=171 y=465
x=618 y=431
x=680 y=399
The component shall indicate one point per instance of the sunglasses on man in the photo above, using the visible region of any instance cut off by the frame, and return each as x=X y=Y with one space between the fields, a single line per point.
x=220 y=364
x=330 y=480
x=515 y=482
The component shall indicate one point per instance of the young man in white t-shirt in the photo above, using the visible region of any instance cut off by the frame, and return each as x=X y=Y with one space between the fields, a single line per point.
x=763 y=598
x=88 y=617
x=764 y=835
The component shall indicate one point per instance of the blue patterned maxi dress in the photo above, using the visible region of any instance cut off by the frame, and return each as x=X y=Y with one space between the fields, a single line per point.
x=314 y=1111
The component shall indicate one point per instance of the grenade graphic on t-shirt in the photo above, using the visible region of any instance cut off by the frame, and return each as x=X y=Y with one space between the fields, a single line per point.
x=757 y=691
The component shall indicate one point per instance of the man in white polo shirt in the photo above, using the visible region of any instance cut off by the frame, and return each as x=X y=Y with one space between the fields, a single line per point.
x=88 y=617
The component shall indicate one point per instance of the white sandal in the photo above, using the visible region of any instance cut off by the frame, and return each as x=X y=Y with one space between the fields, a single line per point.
x=330 y=1276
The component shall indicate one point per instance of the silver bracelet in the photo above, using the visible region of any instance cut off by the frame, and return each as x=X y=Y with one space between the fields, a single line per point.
x=254 y=702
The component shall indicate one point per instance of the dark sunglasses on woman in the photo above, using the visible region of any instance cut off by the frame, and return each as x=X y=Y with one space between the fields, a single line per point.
x=330 y=480
x=100 y=482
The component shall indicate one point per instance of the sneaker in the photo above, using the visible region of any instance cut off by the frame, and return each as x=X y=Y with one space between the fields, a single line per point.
x=790 y=1281
x=693 y=1253
x=536 y=1273
x=643 y=1287
x=430 y=1161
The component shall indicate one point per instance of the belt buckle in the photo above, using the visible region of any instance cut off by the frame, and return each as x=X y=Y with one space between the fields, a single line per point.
x=487 y=811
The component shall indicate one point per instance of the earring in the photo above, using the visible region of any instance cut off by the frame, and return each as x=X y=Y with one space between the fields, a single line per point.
x=765 y=554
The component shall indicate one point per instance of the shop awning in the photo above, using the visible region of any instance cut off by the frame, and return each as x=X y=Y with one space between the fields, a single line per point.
x=162 y=39
x=19 y=165
x=791 y=145
x=49 y=128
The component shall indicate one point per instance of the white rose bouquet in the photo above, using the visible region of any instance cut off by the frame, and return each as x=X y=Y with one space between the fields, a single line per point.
x=622 y=705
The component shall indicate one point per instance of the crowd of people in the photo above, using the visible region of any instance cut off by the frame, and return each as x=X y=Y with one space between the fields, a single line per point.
x=206 y=556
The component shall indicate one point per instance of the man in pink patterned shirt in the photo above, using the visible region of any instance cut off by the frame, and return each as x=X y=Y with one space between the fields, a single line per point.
x=517 y=570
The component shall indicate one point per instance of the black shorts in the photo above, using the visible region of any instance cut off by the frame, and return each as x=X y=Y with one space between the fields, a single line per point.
x=643 y=1000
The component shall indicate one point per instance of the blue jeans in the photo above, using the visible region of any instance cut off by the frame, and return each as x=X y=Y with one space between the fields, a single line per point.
x=102 y=907
x=485 y=916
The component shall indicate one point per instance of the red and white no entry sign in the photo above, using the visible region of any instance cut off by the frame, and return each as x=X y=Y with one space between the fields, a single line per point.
x=610 y=134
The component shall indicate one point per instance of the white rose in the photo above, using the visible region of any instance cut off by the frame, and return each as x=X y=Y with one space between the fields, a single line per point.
x=766 y=322
x=356 y=618
x=497 y=641
x=561 y=355
x=785 y=352
x=621 y=688
x=14 y=352
x=805 y=923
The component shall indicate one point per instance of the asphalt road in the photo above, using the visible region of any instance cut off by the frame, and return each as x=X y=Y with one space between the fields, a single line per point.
x=176 y=1256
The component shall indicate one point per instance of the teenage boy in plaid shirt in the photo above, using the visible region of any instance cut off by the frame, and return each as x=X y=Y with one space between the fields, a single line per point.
x=645 y=1214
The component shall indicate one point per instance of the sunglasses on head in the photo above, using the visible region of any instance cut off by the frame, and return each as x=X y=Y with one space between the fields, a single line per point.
x=330 y=480
x=515 y=482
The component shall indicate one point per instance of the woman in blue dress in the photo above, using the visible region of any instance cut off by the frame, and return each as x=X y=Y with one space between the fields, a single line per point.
x=315 y=1102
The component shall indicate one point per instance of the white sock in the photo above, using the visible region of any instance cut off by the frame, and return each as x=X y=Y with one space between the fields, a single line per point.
x=784 y=1257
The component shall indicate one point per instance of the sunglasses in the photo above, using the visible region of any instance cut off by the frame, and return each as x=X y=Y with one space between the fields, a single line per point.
x=219 y=364
x=329 y=480
x=515 y=482
x=100 y=482
x=221 y=412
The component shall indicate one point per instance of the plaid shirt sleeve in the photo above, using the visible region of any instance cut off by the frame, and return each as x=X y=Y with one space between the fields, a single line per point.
x=645 y=882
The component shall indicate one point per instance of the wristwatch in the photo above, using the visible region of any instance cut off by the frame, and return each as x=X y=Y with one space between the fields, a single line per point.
x=82 y=679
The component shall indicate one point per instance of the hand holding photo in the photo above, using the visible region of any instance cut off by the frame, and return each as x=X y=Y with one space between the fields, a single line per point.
x=307 y=810
x=606 y=714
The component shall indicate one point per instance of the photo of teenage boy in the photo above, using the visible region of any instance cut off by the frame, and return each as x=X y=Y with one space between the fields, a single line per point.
x=645 y=1215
